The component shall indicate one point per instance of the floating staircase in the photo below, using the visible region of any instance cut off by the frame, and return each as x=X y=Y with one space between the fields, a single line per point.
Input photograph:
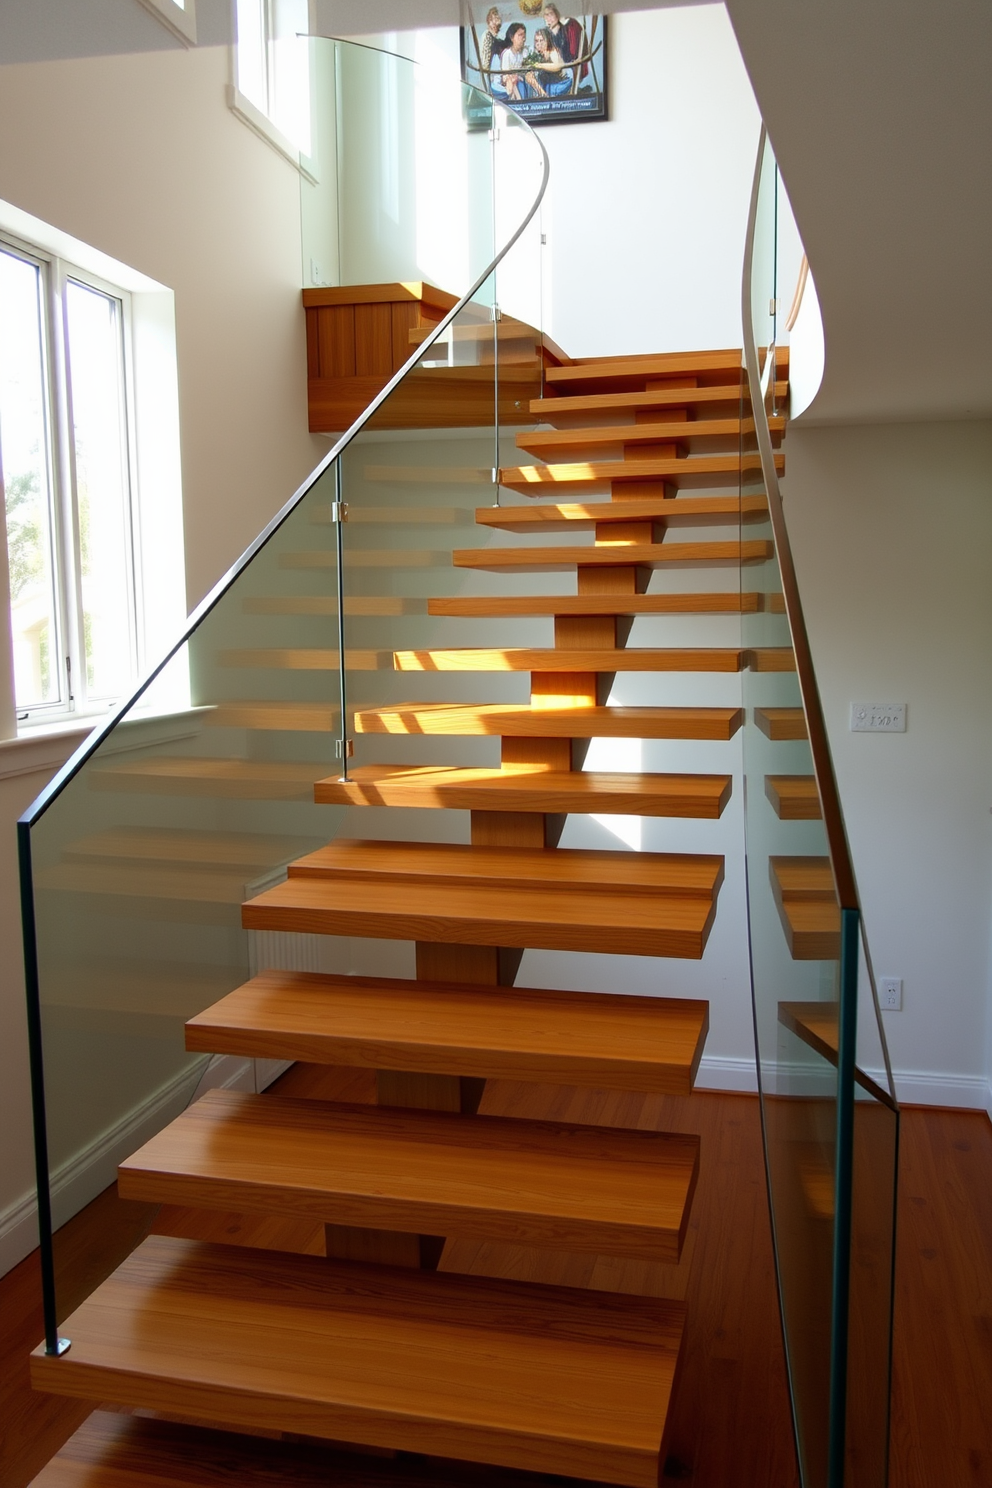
x=375 y=1343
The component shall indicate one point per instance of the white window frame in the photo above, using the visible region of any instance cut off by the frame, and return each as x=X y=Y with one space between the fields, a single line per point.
x=257 y=118
x=67 y=646
x=178 y=18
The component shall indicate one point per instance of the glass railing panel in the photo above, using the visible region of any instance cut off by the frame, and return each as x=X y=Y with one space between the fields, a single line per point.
x=829 y=1115
x=400 y=185
x=142 y=860
x=412 y=495
x=200 y=792
x=795 y=946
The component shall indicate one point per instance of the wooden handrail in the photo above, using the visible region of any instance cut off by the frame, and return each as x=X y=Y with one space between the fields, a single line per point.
x=833 y=821
x=797 y=298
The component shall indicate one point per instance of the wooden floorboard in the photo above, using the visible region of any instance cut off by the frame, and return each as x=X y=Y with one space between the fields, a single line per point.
x=730 y=1424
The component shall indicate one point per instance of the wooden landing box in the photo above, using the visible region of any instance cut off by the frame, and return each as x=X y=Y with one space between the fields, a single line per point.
x=359 y=335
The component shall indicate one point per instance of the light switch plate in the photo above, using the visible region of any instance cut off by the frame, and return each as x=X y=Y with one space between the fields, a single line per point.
x=878 y=718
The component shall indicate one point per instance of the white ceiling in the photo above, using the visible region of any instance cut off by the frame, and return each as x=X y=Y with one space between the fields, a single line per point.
x=880 y=112
x=368 y=17
x=47 y=30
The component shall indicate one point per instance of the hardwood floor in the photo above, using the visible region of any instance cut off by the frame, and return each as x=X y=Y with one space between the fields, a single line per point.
x=942 y=1387
x=730 y=1426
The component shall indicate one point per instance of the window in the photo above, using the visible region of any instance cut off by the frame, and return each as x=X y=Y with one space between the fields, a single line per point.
x=66 y=459
x=272 y=70
x=178 y=15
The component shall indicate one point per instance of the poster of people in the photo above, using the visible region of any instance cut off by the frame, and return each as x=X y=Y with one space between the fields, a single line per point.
x=546 y=64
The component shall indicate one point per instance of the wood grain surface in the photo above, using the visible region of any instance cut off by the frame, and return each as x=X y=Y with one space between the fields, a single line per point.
x=730 y=603
x=550 y=918
x=553 y=1379
x=730 y=1420
x=578 y=406
x=599 y=475
x=793 y=797
x=782 y=723
x=642 y=554
x=579 y=868
x=691 y=511
x=545 y=443
x=531 y=659
x=510 y=721
x=231 y=779
x=528 y=788
x=426 y=1172
x=616 y=372
x=598 y=1039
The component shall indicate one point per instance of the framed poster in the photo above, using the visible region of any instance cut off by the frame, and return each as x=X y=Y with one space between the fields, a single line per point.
x=548 y=66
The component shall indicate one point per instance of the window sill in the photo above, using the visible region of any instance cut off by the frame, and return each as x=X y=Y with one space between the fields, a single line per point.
x=262 y=125
x=49 y=746
x=179 y=19
x=45 y=748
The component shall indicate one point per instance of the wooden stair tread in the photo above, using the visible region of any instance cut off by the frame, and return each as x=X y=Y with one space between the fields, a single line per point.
x=515 y=1033
x=564 y=867
x=796 y=878
x=807 y=904
x=727 y=603
x=145 y=881
x=548 y=917
x=327 y=604
x=307 y=658
x=616 y=404
x=240 y=779
x=793 y=797
x=782 y=723
x=582 y=1188
x=643 y=555
x=520 y=1376
x=545 y=442
x=816 y=1023
x=772 y=659
x=682 y=470
x=111 y=1450
x=245 y=850
x=672 y=510
x=533 y=659
x=528 y=788
x=615 y=373
x=508 y=720
x=288 y=717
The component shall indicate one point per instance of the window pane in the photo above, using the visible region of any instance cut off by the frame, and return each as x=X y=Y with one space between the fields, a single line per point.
x=99 y=433
x=251 y=53
x=27 y=476
x=289 y=103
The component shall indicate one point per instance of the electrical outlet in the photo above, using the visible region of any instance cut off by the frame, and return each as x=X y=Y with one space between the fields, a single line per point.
x=890 y=994
x=878 y=718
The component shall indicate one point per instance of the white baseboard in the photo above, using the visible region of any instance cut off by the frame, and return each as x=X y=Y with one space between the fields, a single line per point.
x=93 y=1169
x=726 y=1074
x=927 y=1088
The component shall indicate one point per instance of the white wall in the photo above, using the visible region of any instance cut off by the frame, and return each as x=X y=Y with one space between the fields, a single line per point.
x=892 y=532
x=26 y=766
x=645 y=212
x=140 y=157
